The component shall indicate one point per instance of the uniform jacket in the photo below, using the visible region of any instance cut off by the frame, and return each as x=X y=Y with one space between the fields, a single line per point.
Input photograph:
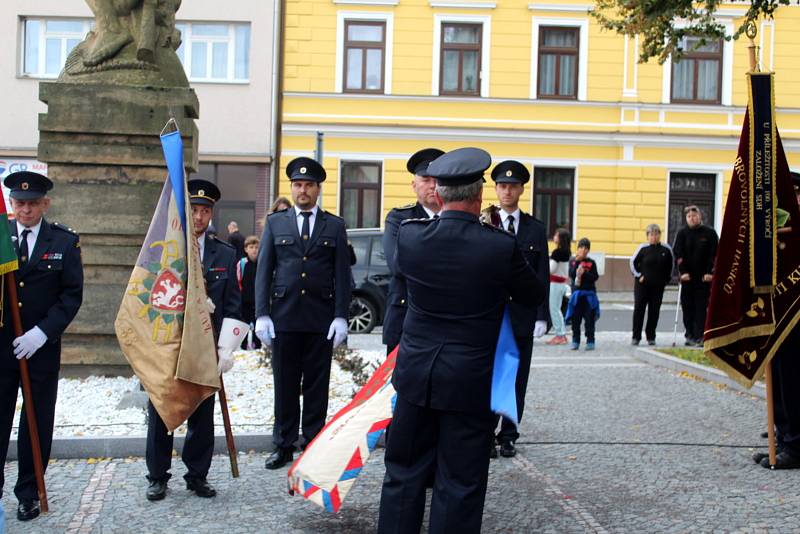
x=695 y=250
x=459 y=275
x=396 y=300
x=532 y=241
x=222 y=287
x=301 y=289
x=50 y=292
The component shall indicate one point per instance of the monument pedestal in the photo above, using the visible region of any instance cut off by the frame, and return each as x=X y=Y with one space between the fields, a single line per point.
x=102 y=148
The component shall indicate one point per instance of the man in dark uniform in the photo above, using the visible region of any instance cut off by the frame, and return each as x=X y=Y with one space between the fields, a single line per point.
x=424 y=187
x=303 y=290
x=695 y=249
x=50 y=291
x=786 y=394
x=219 y=269
x=459 y=274
x=510 y=178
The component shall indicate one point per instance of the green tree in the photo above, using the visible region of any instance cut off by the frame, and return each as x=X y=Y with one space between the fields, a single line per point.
x=657 y=22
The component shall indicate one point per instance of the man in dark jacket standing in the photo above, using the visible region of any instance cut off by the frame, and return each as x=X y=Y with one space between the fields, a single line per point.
x=510 y=178
x=50 y=292
x=651 y=266
x=459 y=275
x=236 y=239
x=425 y=207
x=695 y=249
x=303 y=290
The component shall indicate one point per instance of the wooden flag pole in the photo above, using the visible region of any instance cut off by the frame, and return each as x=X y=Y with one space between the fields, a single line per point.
x=226 y=422
x=25 y=377
x=751 y=32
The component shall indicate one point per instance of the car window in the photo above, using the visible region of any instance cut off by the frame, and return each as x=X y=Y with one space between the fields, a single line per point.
x=360 y=246
x=377 y=258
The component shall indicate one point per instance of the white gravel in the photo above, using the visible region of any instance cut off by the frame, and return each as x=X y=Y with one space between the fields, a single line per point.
x=88 y=406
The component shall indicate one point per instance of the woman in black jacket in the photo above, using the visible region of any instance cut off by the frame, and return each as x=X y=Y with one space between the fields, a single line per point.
x=651 y=266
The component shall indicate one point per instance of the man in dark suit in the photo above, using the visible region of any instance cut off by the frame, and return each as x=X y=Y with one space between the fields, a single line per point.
x=459 y=275
x=236 y=239
x=303 y=290
x=219 y=269
x=425 y=208
x=510 y=178
x=50 y=291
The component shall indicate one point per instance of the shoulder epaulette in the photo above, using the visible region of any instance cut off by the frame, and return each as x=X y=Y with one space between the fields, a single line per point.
x=221 y=242
x=496 y=229
x=406 y=207
x=421 y=220
x=333 y=215
x=63 y=228
x=277 y=211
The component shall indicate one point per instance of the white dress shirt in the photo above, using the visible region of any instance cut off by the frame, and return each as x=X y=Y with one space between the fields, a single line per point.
x=311 y=220
x=201 y=242
x=504 y=218
x=430 y=213
x=32 y=236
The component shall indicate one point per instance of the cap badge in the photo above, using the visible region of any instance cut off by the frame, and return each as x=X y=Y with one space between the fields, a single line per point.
x=24 y=186
x=201 y=192
x=509 y=173
x=302 y=170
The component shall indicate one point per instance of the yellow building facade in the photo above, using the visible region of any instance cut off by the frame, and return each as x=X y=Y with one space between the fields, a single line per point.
x=612 y=145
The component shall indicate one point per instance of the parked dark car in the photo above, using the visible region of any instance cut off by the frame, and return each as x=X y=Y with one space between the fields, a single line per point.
x=371 y=275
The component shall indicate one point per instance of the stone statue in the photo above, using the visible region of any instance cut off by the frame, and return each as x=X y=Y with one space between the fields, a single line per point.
x=133 y=42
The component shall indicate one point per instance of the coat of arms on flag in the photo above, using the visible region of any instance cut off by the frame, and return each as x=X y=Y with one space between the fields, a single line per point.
x=163 y=325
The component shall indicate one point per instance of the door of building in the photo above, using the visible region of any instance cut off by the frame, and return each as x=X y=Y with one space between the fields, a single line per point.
x=687 y=188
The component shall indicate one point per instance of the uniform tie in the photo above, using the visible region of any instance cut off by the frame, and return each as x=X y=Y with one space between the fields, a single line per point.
x=23 y=246
x=511 y=228
x=306 y=231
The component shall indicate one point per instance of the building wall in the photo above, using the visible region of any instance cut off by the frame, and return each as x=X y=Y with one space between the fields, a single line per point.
x=622 y=135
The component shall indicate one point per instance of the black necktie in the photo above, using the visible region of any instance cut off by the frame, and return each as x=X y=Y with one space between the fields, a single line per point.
x=511 y=228
x=306 y=231
x=23 y=246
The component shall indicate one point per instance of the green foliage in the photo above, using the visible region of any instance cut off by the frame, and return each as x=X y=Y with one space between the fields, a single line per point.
x=690 y=355
x=662 y=24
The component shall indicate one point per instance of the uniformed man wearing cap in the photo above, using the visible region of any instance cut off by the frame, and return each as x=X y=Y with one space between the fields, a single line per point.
x=50 y=291
x=460 y=274
x=425 y=207
x=303 y=290
x=219 y=269
x=510 y=178
x=786 y=394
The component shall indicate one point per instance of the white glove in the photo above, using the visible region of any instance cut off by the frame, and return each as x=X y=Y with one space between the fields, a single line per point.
x=539 y=328
x=210 y=304
x=225 y=360
x=28 y=343
x=265 y=330
x=338 y=331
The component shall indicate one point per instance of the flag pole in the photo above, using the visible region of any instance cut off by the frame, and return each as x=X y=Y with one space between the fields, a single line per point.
x=27 y=395
x=226 y=422
x=751 y=31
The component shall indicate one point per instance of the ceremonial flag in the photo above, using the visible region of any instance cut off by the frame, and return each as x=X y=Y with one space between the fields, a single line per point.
x=326 y=471
x=755 y=295
x=504 y=374
x=163 y=325
x=8 y=255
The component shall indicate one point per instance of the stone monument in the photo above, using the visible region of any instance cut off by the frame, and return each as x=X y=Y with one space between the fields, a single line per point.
x=100 y=141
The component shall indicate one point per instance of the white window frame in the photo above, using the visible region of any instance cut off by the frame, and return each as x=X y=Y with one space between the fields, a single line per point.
x=486 y=46
x=583 y=51
x=230 y=39
x=364 y=16
x=726 y=91
x=43 y=36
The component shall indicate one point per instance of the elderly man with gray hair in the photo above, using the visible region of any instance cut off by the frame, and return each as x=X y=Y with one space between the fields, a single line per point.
x=651 y=266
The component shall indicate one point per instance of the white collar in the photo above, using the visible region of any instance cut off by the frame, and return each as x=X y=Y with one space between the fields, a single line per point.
x=34 y=229
x=430 y=213
x=298 y=211
x=504 y=214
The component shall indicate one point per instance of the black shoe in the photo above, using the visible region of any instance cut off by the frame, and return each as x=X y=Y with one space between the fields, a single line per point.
x=689 y=343
x=493 y=452
x=765 y=435
x=760 y=455
x=279 y=458
x=651 y=342
x=784 y=460
x=28 y=509
x=507 y=449
x=634 y=342
x=157 y=490
x=201 y=487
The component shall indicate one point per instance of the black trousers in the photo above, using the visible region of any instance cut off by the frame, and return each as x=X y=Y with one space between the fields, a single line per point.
x=301 y=363
x=44 y=389
x=786 y=393
x=694 y=302
x=509 y=432
x=198 y=447
x=649 y=297
x=582 y=312
x=454 y=446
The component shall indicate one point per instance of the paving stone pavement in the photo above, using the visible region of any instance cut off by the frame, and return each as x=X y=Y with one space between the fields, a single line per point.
x=609 y=444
